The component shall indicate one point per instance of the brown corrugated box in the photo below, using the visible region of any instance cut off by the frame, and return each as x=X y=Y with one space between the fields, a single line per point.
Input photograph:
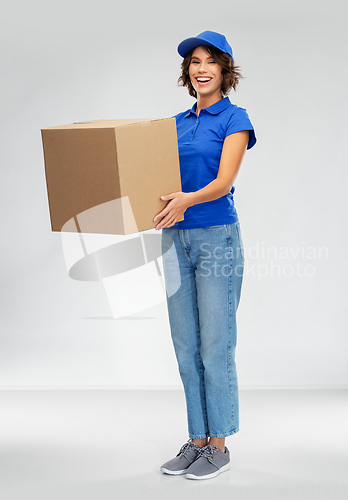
x=107 y=176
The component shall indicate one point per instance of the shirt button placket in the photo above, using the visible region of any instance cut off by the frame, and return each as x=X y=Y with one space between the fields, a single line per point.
x=194 y=130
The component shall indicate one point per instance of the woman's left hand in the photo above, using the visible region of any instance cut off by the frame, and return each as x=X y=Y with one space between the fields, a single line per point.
x=177 y=205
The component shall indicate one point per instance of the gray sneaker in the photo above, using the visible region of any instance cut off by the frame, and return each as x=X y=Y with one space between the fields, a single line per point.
x=209 y=463
x=186 y=456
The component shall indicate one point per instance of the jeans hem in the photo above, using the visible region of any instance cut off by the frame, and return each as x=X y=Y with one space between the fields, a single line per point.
x=202 y=436
x=224 y=435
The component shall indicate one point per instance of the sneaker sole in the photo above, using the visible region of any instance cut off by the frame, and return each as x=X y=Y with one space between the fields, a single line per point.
x=173 y=472
x=208 y=476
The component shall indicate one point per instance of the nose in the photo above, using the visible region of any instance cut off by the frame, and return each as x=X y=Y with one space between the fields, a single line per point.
x=202 y=68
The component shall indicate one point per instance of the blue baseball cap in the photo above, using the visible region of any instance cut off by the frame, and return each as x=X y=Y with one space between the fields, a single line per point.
x=209 y=38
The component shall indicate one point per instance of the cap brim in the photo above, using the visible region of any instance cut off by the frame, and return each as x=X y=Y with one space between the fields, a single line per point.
x=186 y=45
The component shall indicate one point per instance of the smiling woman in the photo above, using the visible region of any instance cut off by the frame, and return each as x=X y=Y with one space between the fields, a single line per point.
x=230 y=72
x=205 y=77
x=212 y=139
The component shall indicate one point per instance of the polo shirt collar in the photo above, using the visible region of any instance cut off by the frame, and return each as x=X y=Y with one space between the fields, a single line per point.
x=215 y=109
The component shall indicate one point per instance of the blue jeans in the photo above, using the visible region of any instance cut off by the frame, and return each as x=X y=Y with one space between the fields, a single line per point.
x=203 y=272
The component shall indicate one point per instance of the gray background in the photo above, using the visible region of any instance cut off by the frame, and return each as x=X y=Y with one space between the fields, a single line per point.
x=69 y=61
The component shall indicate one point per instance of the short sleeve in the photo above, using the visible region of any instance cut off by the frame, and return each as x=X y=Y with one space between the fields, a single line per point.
x=240 y=121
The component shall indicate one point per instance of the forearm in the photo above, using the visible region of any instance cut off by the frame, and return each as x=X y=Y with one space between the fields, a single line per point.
x=214 y=190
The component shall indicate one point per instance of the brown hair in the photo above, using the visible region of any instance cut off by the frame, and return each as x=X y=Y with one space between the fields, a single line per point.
x=230 y=72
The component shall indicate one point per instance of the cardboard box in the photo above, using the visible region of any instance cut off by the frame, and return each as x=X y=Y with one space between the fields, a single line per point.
x=107 y=176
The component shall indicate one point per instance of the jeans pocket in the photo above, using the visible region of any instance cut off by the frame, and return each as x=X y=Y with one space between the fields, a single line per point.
x=241 y=246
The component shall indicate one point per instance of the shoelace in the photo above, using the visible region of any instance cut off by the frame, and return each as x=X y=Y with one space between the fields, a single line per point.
x=208 y=452
x=186 y=447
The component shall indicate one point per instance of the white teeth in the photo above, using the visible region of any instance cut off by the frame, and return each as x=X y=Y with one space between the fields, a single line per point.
x=203 y=80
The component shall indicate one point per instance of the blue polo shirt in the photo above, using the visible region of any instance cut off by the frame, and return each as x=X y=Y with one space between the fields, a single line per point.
x=200 y=141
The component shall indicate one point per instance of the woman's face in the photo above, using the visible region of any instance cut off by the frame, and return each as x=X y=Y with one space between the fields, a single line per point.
x=205 y=74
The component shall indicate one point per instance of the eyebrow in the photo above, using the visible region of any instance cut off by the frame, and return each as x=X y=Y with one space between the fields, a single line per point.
x=195 y=57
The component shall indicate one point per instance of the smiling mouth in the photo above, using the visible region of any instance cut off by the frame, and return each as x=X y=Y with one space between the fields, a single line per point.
x=203 y=80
